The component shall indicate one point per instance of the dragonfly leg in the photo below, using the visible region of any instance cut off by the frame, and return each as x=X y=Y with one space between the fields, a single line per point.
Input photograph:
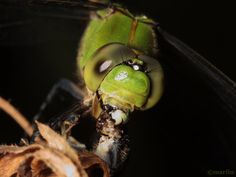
x=62 y=109
x=66 y=127
x=76 y=144
x=68 y=124
x=62 y=95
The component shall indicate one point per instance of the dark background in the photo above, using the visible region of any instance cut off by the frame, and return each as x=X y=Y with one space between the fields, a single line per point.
x=180 y=136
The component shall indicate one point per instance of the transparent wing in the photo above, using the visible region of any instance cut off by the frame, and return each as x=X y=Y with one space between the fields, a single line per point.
x=221 y=85
x=198 y=106
x=28 y=22
x=55 y=8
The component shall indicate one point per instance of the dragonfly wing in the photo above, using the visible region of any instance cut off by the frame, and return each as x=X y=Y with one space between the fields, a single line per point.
x=223 y=87
x=73 y=9
x=198 y=108
x=30 y=22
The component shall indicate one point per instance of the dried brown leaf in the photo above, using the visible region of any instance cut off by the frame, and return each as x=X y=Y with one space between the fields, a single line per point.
x=60 y=164
x=54 y=140
x=90 y=161
x=53 y=158
x=10 y=160
x=44 y=162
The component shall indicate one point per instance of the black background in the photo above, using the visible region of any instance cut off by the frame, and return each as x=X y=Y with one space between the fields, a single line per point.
x=177 y=137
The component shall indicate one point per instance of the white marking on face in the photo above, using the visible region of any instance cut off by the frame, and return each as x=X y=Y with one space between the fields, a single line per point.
x=105 y=65
x=121 y=76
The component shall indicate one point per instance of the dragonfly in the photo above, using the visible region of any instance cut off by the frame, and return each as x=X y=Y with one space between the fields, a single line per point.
x=105 y=60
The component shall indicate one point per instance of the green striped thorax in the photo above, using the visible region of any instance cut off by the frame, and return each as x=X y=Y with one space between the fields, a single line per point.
x=114 y=59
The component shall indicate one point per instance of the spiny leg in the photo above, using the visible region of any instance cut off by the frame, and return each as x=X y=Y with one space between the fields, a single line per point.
x=66 y=121
x=67 y=98
x=62 y=95
x=112 y=145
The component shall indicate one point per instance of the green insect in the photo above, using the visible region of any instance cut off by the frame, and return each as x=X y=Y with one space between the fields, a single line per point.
x=115 y=59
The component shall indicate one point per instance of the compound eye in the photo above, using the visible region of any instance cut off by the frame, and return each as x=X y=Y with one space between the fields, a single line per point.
x=103 y=61
x=156 y=75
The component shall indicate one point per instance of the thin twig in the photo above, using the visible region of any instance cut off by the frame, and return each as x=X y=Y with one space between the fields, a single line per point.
x=16 y=115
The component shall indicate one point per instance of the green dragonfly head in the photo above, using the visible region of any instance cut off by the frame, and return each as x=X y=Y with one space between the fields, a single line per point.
x=124 y=79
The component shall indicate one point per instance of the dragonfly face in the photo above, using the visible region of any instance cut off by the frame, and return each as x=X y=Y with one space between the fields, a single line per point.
x=113 y=60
